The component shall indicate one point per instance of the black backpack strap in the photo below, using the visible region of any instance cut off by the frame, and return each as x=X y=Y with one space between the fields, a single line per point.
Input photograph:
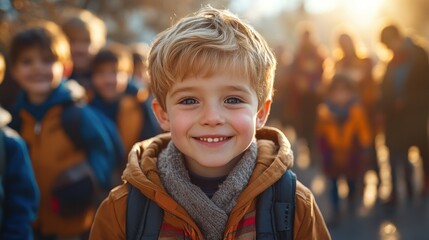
x=2 y=152
x=71 y=119
x=275 y=210
x=144 y=217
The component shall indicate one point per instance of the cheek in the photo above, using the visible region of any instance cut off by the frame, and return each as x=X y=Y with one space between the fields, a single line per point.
x=179 y=122
x=244 y=121
x=79 y=47
x=57 y=71
x=97 y=81
x=122 y=81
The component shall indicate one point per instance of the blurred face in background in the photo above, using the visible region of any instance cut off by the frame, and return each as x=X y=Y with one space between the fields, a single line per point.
x=340 y=95
x=346 y=44
x=38 y=72
x=109 y=81
x=81 y=49
x=140 y=72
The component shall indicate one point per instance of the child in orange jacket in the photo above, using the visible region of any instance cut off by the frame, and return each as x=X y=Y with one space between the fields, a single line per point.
x=212 y=78
x=344 y=136
x=71 y=153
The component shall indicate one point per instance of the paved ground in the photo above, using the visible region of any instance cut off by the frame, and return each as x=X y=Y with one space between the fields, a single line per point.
x=408 y=220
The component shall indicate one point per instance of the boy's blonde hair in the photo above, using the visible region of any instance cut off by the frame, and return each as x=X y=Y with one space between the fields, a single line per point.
x=209 y=41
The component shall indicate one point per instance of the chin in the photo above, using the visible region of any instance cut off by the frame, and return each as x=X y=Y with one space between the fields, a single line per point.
x=40 y=88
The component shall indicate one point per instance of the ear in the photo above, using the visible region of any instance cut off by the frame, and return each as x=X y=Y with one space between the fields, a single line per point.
x=161 y=115
x=13 y=72
x=262 y=115
x=68 y=69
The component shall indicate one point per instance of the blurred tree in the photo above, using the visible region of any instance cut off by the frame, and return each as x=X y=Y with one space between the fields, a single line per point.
x=126 y=20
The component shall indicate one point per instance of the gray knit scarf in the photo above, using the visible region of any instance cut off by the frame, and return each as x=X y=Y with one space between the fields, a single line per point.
x=211 y=215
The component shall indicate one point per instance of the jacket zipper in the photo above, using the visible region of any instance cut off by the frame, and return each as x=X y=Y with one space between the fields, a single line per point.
x=37 y=128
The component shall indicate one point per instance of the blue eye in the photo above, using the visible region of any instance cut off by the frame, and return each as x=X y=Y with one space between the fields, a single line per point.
x=188 y=101
x=233 y=100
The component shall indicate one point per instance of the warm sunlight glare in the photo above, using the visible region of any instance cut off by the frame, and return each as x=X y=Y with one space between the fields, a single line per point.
x=385 y=176
x=388 y=231
x=343 y=188
x=362 y=12
x=317 y=6
x=416 y=161
x=370 y=191
x=303 y=159
x=318 y=185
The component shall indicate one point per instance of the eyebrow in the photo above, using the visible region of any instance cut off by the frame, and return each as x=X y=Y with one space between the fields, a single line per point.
x=237 y=88
x=182 y=89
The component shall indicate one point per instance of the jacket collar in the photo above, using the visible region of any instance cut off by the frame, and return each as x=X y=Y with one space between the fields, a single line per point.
x=274 y=158
x=66 y=92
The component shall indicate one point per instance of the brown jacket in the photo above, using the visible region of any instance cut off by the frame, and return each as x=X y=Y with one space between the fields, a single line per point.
x=274 y=158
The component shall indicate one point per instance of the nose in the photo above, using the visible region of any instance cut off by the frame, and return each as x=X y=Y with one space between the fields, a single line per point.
x=41 y=67
x=212 y=115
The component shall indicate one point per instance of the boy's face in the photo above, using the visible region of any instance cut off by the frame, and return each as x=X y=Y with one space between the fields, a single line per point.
x=140 y=71
x=108 y=81
x=37 y=72
x=80 y=49
x=212 y=120
x=341 y=95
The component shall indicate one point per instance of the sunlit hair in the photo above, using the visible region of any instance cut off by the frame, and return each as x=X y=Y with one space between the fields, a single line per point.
x=83 y=20
x=208 y=42
x=114 y=53
x=2 y=68
x=45 y=35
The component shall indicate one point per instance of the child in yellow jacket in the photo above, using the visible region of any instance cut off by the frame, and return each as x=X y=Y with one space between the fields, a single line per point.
x=344 y=136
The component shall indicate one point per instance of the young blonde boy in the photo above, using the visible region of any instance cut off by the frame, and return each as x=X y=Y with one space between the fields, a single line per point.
x=212 y=78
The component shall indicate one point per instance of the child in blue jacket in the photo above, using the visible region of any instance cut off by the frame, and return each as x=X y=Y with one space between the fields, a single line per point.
x=19 y=194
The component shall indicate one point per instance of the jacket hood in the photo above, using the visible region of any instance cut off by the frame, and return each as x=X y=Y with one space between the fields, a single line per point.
x=274 y=158
x=67 y=92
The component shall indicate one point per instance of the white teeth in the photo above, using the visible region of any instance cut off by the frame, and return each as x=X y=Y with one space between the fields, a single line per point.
x=210 y=140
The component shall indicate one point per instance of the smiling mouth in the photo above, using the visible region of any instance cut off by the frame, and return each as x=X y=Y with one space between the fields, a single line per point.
x=213 y=139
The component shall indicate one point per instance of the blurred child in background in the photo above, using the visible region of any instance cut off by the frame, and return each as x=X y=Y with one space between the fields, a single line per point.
x=112 y=68
x=306 y=74
x=69 y=150
x=344 y=137
x=140 y=75
x=19 y=194
x=87 y=35
x=358 y=68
